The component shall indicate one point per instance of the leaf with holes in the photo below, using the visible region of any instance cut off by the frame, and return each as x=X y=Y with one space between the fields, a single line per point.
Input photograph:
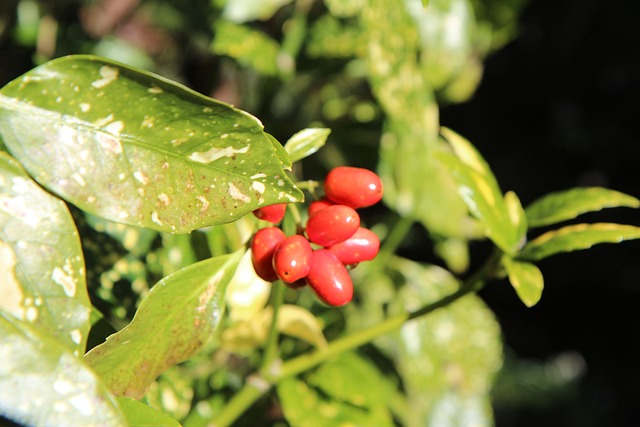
x=136 y=148
x=176 y=318
x=565 y=205
x=41 y=262
x=577 y=237
x=43 y=383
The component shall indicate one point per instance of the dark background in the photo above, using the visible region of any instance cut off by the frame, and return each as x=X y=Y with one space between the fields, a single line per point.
x=559 y=107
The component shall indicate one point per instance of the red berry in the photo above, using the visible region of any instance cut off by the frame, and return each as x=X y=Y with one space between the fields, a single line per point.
x=329 y=278
x=291 y=259
x=271 y=213
x=333 y=224
x=316 y=205
x=263 y=245
x=354 y=187
x=362 y=246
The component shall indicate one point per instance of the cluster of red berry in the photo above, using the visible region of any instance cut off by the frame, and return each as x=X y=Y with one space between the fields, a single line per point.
x=333 y=228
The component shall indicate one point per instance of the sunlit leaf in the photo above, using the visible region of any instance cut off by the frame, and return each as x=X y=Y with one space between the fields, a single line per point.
x=417 y=184
x=42 y=383
x=139 y=149
x=526 y=279
x=41 y=261
x=240 y=11
x=306 y=142
x=173 y=391
x=517 y=217
x=345 y=8
x=331 y=37
x=303 y=406
x=504 y=224
x=136 y=240
x=248 y=46
x=447 y=35
x=295 y=321
x=564 y=205
x=353 y=379
x=175 y=319
x=577 y=237
x=140 y=415
x=451 y=355
x=247 y=294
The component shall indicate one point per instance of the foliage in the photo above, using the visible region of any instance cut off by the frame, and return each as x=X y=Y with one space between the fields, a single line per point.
x=125 y=199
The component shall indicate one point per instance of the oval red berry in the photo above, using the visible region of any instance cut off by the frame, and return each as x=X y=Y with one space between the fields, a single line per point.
x=292 y=258
x=333 y=224
x=362 y=246
x=271 y=213
x=329 y=278
x=263 y=246
x=354 y=187
x=316 y=205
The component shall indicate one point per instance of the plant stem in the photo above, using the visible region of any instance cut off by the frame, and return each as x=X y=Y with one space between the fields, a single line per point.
x=251 y=392
x=271 y=350
x=393 y=240
x=240 y=402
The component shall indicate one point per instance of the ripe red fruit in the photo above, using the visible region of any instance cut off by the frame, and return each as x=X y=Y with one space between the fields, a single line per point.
x=316 y=205
x=329 y=278
x=271 y=213
x=333 y=224
x=291 y=259
x=362 y=246
x=263 y=245
x=354 y=187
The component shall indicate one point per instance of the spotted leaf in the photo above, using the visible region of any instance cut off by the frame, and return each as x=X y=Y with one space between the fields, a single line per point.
x=42 y=383
x=41 y=263
x=139 y=149
x=174 y=320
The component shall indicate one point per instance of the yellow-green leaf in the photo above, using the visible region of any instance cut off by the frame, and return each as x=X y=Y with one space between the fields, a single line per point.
x=568 y=204
x=43 y=384
x=577 y=237
x=526 y=279
x=177 y=317
x=41 y=262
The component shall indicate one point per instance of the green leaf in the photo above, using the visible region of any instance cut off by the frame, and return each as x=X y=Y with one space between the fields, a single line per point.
x=565 y=205
x=176 y=318
x=140 y=415
x=417 y=183
x=504 y=223
x=240 y=11
x=246 y=335
x=43 y=383
x=577 y=237
x=249 y=47
x=136 y=240
x=526 y=279
x=352 y=379
x=303 y=406
x=41 y=261
x=136 y=148
x=306 y=142
x=173 y=392
x=447 y=35
x=517 y=217
x=451 y=355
